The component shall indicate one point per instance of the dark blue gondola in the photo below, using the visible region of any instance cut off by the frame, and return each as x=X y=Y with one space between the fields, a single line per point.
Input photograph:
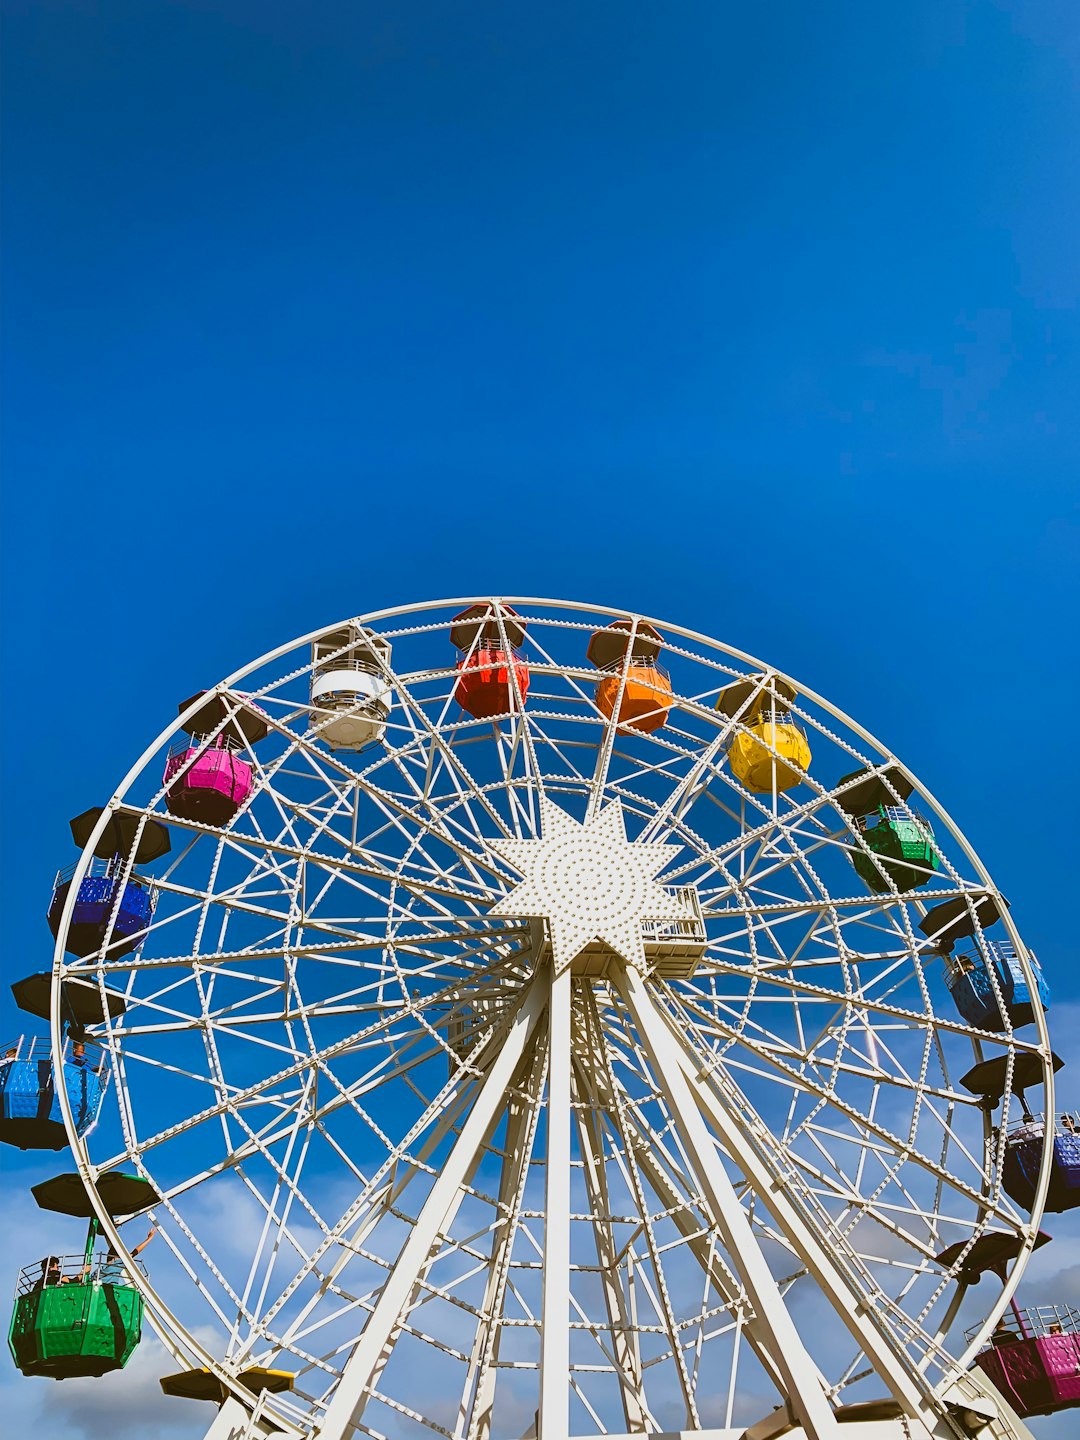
x=969 y=980
x=1023 y=1157
x=95 y=900
x=29 y=1105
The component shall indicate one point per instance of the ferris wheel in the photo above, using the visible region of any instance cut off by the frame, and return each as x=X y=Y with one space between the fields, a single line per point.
x=533 y=1019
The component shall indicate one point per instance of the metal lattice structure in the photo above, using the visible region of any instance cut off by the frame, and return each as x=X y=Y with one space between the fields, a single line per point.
x=530 y=1069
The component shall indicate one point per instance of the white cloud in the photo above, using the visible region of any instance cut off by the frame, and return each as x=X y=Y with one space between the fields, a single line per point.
x=128 y=1403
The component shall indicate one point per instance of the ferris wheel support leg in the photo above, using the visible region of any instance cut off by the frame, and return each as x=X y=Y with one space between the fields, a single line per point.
x=699 y=1247
x=235 y=1422
x=895 y=1372
x=521 y=1121
x=623 y=1339
x=808 y=1402
x=599 y=1088
x=555 y=1303
x=372 y=1349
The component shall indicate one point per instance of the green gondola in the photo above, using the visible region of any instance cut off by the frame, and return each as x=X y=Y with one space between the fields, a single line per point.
x=902 y=845
x=899 y=840
x=75 y=1316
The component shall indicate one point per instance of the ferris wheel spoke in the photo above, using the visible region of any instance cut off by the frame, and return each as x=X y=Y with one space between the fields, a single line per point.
x=635 y=1143
x=862 y=907
x=425 y=875
x=318 y=1010
x=790 y=987
x=419 y=815
x=469 y=792
x=701 y=774
x=770 y=862
x=807 y=1083
x=833 y=1183
x=598 y=786
x=677 y=753
x=822 y=1261
x=275 y=1228
x=753 y=837
x=522 y=816
x=647 y=1148
x=388 y=1183
x=800 y=1375
x=251 y=846
x=235 y=1014
x=640 y=1153
x=377 y=1198
x=624 y=1351
x=548 y=667
x=478 y=1391
x=226 y=904
x=536 y=727
x=459 y=932
x=367 y=1360
x=284 y=810
x=255 y=1093
x=345 y=1095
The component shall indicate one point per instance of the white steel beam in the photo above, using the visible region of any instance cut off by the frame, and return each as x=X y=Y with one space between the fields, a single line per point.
x=600 y=1082
x=624 y=1342
x=478 y=1395
x=372 y=1349
x=849 y=1302
x=802 y=1385
x=555 y=1306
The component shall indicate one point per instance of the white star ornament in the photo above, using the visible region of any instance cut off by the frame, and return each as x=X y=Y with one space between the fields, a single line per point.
x=589 y=883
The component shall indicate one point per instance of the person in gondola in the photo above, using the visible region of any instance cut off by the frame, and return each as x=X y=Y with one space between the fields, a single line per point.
x=1068 y=1124
x=1003 y=1335
x=112 y=1271
x=51 y=1273
x=1031 y=1129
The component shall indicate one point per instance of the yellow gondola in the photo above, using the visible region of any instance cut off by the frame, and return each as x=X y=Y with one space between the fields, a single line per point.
x=768 y=751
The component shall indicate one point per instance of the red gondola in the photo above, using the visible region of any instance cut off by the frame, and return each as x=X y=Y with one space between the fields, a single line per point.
x=493 y=678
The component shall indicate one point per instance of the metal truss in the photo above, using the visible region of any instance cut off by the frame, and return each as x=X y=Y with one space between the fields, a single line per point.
x=459 y=1187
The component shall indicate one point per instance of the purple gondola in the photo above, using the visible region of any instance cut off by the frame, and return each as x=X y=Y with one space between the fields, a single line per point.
x=109 y=908
x=1023 y=1157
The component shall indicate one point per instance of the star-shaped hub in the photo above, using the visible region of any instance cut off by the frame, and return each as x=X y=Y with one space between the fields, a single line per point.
x=589 y=883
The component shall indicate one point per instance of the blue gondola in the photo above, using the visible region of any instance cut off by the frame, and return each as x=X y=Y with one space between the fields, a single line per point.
x=969 y=982
x=29 y=1105
x=94 y=903
x=1023 y=1156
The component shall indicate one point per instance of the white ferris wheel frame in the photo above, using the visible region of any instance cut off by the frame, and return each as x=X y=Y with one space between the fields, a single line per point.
x=707 y=1127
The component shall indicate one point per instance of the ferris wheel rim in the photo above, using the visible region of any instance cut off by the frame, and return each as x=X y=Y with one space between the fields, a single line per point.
x=80 y=1150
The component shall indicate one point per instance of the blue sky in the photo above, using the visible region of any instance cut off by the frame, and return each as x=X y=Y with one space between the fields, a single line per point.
x=764 y=320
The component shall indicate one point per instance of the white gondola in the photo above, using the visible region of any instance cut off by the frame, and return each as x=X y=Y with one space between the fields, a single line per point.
x=351 y=689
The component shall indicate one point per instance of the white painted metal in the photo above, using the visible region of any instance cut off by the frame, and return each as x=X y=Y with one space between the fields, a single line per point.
x=339 y=1051
x=398 y=1295
x=803 y=1385
x=588 y=883
x=555 y=1311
